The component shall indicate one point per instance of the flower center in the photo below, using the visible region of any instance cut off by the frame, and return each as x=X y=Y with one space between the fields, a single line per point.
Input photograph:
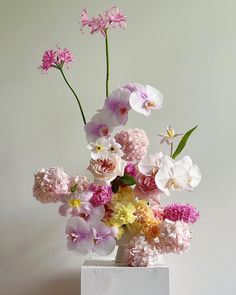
x=170 y=132
x=74 y=203
x=123 y=110
x=172 y=184
x=149 y=104
x=104 y=131
x=99 y=148
x=112 y=149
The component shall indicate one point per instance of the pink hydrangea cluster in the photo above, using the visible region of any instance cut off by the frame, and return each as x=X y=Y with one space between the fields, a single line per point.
x=55 y=59
x=102 y=194
x=141 y=253
x=134 y=143
x=182 y=212
x=50 y=184
x=112 y=17
x=174 y=237
x=81 y=182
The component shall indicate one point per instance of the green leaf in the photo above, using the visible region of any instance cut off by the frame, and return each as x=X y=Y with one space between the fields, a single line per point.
x=183 y=142
x=127 y=180
x=73 y=188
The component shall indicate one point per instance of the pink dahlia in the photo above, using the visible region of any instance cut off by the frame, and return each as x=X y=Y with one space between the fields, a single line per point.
x=50 y=184
x=55 y=59
x=174 y=237
x=134 y=143
x=146 y=187
x=186 y=213
x=102 y=194
x=113 y=17
x=141 y=253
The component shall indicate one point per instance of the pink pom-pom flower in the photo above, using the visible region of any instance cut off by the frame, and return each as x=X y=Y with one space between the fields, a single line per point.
x=102 y=194
x=182 y=212
x=50 y=184
x=131 y=169
x=134 y=143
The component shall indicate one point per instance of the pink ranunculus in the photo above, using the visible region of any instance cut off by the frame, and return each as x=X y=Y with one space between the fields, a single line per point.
x=50 y=184
x=146 y=187
x=102 y=194
x=104 y=171
x=131 y=169
x=134 y=143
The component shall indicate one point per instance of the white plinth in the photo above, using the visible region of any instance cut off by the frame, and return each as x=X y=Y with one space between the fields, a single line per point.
x=104 y=277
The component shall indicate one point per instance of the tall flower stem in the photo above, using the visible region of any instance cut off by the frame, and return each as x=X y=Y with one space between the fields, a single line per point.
x=107 y=63
x=171 y=149
x=75 y=95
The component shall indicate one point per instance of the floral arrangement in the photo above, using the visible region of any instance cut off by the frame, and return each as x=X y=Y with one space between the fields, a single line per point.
x=128 y=183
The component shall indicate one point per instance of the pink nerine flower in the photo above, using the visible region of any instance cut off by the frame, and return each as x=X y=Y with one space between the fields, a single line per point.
x=141 y=253
x=102 y=194
x=146 y=187
x=186 y=213
x=50 y=184
x=56 y=59
x=112 y=17
x=174 y=237
x=134 y=143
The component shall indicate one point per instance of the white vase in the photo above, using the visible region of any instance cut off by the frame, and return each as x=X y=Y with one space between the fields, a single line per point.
x=122 y=244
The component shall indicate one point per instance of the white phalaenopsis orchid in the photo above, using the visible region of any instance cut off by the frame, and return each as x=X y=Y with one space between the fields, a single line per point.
x=151 y=164
x=177 y=175
x=194 y=173
x=145 y=100
x=172 y=176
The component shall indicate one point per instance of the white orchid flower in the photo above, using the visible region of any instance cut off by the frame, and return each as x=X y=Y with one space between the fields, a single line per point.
x=151 y=164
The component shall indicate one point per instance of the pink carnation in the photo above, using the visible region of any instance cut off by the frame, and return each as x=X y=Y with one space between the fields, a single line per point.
x=141 y=253
x=102 y=194
x=55 y=59
x=174 y=237
x=134 y=143
x=186 y=213
x=146 y=187
x=113 y=17
x=131 y=169
x=50 y=184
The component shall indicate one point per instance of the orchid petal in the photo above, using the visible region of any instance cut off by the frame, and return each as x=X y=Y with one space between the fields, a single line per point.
x=105 y=246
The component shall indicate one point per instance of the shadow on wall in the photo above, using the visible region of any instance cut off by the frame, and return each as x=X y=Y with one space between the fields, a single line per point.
x=68 y=284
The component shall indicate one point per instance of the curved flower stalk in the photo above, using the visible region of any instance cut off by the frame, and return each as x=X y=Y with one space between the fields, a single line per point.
x=57 y=59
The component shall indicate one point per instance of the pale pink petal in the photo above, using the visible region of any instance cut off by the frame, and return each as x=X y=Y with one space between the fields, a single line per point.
x=63 y=209
x=105 y=246
x=136 y=103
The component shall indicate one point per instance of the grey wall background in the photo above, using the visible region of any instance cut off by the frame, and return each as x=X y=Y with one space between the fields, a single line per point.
x=185 y=48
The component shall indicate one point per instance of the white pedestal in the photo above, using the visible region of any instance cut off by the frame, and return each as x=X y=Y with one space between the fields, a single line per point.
x=104 y=277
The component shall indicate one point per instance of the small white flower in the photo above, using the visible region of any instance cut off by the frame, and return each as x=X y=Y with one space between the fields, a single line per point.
x=169 y=136
x=194 y=173
x=99 y=149
x=114 y=148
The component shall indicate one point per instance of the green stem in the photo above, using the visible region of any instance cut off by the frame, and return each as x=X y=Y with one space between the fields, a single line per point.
x=171 y=149
x=72 y=90
x=107 y=64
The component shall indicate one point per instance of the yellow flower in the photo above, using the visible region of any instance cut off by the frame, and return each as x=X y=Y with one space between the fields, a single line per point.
x=135 y=228
x=143 y=212
x=123 y=214
x=124 y=195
